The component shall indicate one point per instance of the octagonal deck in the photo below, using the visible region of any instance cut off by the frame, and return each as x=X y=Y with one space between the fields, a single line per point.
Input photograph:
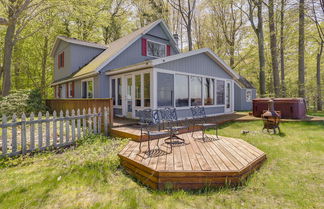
x=194 y=164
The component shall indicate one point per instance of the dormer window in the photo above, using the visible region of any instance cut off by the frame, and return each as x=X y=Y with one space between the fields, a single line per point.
x=155 y=49
x=60 y=60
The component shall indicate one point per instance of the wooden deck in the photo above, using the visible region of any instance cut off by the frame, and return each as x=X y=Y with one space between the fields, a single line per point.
x=193 y=165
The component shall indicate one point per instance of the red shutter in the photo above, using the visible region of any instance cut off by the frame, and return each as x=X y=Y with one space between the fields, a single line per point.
x=67 y=90
x=168 y=50
x=62 y=59
x=143 y=46
x=73 y=89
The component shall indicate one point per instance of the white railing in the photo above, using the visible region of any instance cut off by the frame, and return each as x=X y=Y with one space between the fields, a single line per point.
x=20 y=136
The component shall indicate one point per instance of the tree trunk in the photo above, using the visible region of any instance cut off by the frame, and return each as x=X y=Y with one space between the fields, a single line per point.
x=232 y=50
x=301 y=50
x=282 y=49
x=7 y=56
x=273 y=49
x=261 y=50
x=318 y=77
x=44 y=62
x=189 y=35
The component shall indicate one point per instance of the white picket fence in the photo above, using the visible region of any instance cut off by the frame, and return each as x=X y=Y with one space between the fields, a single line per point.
x=20 y=136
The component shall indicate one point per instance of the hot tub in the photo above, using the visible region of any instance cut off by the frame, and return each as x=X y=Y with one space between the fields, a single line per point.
x=290 y=108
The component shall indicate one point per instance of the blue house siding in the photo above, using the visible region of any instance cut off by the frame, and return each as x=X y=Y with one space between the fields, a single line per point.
x=82 y=55
x=240 y=98
x=133 y=54
x=75 y=57
x=66 y=70
x=199 y=64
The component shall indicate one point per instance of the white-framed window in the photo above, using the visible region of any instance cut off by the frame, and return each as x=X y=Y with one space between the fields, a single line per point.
x=248 y=95
x=155 y=49
x=196 y=90
x=70 y=89
x=147 y=89
x=138 y=90
x=220 y=93
x=165 y=89
x=116 y=91
x=189 y=90
x=209 y=89
x=181 y=90
x=142 y=89
x=87 y=88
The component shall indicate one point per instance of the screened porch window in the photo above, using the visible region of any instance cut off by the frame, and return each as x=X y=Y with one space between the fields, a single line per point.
x=181 y=90
x=220 y=92
x=147 y=90
x=196 y=90
x=209 y=87
x=138 y=100
x=165 y=90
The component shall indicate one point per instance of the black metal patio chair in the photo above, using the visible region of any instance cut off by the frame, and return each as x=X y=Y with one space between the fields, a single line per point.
x=170 y=119
x=200 y=120
x=151 y=127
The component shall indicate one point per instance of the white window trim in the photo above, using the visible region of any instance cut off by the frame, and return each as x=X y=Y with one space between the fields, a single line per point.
x=165 y=48
x=86 y=80
x=123 y=82
x=248 y=90
x=116 y=89
x=159 y=70
x=69 y=88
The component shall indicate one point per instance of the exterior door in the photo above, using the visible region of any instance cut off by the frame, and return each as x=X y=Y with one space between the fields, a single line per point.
x=228 y=96
x=129 y=96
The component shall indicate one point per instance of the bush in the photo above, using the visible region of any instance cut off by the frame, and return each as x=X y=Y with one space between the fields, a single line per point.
x=35 y=101
x=16 y=102
x=20 y=101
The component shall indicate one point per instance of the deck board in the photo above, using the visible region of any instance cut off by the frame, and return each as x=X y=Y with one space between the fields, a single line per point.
x=193 y=164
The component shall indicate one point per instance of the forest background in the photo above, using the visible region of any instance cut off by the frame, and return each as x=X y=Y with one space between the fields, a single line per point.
x=275 y=44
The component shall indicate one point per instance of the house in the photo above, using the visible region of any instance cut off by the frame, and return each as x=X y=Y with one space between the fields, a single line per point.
x=146 y=70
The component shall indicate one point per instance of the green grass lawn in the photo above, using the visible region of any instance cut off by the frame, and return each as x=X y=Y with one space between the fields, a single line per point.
x=318 y=113
x=89 y=176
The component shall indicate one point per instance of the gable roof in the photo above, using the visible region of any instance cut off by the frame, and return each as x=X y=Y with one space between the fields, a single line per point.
x=75 y=41
x=243 y=83
x=117 y=47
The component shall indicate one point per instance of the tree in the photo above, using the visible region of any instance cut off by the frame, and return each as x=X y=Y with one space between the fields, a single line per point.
x=301 y=50
x=3 y=21
x=186 y=8
x=230 y=21
x=320 y=41
x=19 y=14
x=282 y=49
x=111 y=28
x=258 y=30
x=273 y=49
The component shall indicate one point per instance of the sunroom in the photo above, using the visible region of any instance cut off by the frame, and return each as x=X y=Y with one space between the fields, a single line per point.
x=133 y=90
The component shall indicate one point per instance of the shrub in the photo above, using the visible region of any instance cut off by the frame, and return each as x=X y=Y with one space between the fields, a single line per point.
x=35 y=101
x=20 y=101
x=16 y=102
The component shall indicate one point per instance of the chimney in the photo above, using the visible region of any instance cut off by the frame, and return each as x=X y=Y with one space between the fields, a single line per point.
x=176 y=38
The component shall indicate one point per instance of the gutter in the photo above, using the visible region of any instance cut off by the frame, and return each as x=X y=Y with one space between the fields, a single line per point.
x=73 y=79
x=130 y=68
